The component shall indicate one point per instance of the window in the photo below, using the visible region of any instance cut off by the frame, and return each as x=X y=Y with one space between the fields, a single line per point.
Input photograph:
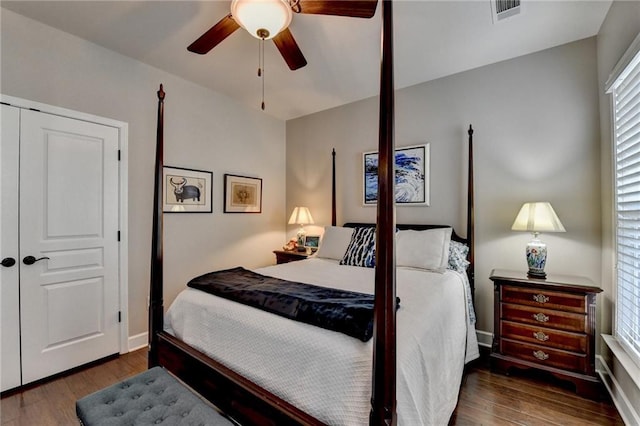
x=625 y=89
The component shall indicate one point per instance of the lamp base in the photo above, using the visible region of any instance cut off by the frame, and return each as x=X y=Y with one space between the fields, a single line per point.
x=539 y=275
x=300 y=239
x=536 y=258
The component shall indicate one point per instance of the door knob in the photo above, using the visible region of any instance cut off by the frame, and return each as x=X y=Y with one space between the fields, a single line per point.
x=30 y=260
x=8 y=262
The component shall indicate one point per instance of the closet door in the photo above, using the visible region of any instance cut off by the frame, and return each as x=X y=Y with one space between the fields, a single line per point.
x=69 y=227
x=9 y=296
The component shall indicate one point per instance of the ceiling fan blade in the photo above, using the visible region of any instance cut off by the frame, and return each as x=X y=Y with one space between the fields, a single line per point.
x=353 y=8
x=289 y=49
x=207 y=41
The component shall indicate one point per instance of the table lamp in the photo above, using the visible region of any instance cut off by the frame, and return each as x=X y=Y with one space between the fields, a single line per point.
x=300 y=216
x=536 y=218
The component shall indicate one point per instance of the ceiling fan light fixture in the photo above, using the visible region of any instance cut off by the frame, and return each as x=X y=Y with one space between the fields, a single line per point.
x=263 y=19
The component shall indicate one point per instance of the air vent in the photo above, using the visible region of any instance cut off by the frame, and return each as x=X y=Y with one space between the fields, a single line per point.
x=503 y=9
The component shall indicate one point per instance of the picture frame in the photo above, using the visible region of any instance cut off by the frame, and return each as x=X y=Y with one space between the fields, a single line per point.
x=242 y=194
x=411 y=180
x=312 y=242
x=186 y=190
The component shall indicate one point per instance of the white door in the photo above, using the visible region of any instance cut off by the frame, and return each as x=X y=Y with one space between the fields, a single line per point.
x=68 y=219
x=9 y=296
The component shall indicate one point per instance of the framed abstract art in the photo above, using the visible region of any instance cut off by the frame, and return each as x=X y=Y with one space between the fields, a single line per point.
x=412 y=176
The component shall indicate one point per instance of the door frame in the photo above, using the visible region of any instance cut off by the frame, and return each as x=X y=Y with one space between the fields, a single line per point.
x=123 y=212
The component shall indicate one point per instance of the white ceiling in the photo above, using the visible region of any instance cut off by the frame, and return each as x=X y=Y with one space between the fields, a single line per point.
x=432 y=39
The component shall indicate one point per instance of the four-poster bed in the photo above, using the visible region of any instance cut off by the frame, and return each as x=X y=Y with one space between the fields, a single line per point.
x=251 y=403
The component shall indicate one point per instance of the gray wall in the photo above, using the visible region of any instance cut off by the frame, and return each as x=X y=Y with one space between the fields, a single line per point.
x=536 y=138
x=203 y=130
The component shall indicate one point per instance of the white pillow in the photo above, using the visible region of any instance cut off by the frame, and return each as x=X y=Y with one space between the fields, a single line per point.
x=427 y=249
x=334 y=243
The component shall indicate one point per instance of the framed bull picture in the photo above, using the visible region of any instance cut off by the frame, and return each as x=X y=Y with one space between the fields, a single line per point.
x=186 y=190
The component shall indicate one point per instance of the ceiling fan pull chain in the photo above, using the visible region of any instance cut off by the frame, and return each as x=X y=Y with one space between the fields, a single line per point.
x=260 y=57
x=261 y=70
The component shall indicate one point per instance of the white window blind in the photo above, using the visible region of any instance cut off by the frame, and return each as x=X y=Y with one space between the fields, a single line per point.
x=626 y=126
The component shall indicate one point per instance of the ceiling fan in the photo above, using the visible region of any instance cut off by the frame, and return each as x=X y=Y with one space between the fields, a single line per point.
x=270 y=19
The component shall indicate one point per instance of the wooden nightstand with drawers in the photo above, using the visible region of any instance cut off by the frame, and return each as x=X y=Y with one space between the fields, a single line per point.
x=548 y=324
x=286 y=256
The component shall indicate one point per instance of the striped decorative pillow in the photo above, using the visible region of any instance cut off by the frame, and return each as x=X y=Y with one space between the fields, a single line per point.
x=362 y=248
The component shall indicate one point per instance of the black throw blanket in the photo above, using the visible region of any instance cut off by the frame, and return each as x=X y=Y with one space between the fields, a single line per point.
x=348 y=312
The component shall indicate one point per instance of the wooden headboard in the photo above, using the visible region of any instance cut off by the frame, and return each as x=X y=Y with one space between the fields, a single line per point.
x=469 y=240
x=415 y=227
x=423 y=227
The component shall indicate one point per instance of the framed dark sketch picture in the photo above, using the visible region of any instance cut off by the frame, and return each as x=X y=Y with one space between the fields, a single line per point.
x=186 y=190
x=412 y=176
x=242 y=194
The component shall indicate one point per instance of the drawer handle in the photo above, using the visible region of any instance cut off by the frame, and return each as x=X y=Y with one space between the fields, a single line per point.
x=540 y=317
x=541 y=355
x=540 y=335
x=540 y=298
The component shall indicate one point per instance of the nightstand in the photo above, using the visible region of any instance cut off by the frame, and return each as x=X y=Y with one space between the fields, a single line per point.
x=547 y=324
x=286 y=256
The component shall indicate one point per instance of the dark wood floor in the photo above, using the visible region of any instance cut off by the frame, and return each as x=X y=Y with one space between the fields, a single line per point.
x=526 y=398
x=53 y=403
x=485 y=398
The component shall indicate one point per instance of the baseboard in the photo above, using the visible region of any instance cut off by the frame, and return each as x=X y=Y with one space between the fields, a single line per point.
x=627 y=410
x=138 y=341
x=484 y=338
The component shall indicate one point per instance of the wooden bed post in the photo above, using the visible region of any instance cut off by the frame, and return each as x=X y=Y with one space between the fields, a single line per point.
x=383 y=399
x=156 y=308
x=333 y=188
x=470 y=214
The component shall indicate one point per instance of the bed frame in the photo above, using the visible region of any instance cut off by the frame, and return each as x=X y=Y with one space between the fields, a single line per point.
x=237 y=396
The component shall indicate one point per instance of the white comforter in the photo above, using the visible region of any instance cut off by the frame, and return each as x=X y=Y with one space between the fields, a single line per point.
x=328 y=374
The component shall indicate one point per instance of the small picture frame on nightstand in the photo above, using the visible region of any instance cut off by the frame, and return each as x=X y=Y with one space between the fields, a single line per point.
x=312 y=242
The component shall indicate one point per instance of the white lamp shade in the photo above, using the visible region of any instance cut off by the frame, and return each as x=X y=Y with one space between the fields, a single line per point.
x=537 y=217
x=300 y=216
x=254 y=15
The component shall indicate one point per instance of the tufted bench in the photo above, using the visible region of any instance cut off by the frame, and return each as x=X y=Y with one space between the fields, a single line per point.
x=150 y=398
